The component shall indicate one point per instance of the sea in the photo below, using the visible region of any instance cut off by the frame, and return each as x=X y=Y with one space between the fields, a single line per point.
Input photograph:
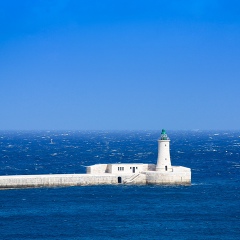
x=208 y=209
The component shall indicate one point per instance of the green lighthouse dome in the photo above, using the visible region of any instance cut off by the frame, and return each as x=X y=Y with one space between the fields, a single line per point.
x=164 y=135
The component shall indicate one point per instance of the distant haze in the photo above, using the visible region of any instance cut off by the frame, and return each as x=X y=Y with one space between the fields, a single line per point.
x=119 y=65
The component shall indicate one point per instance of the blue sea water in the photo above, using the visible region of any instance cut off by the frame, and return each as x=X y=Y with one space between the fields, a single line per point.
x=208 y=209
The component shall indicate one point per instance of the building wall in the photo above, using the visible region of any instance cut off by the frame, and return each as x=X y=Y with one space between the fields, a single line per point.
x=126 y=168
x=97 y=169
x=120 y=168
x=150 y=167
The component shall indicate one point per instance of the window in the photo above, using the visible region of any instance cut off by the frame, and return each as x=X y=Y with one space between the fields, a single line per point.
x=120 y=168
x=136 y=167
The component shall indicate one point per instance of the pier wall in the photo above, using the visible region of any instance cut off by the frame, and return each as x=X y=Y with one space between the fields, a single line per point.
x=55 y=180
x=177 y=175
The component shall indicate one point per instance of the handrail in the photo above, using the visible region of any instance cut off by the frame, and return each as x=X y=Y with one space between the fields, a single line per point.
x=131 y=178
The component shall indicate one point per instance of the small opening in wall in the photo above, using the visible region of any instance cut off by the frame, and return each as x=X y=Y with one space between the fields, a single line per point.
x=165 y=168
x=119 y=180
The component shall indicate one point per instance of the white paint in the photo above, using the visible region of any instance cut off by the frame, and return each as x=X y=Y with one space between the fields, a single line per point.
x=164 y=161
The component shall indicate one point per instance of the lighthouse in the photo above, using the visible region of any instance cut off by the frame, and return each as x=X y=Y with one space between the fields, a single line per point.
x=164 y=161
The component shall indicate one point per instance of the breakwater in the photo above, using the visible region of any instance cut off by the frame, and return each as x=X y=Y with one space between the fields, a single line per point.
x=55 y=180
x=178 y=176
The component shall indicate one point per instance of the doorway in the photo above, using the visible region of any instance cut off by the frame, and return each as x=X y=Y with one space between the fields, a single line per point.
x=119 y=180
x=133 y=169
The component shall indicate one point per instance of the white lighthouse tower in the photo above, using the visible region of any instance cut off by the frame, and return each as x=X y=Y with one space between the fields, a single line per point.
x=164 y=161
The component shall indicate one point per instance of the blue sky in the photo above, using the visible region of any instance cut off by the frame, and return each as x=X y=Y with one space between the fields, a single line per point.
x=119 y=65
